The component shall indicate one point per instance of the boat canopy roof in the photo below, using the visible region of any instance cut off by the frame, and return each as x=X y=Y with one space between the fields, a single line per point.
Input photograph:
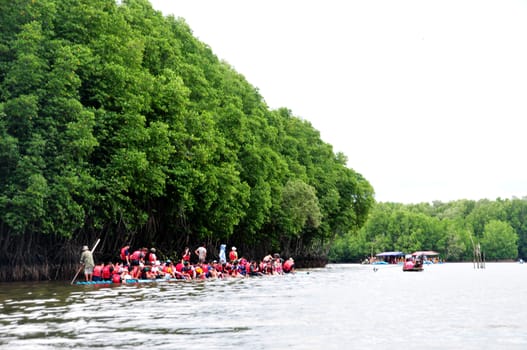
x=425 y=252
x=390 y=254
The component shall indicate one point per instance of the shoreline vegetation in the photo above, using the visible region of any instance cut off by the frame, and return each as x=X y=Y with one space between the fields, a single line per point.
x=461 y=231
x=117 y=123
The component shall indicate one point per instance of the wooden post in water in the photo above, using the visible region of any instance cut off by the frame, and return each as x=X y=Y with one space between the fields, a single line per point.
x=478 y=260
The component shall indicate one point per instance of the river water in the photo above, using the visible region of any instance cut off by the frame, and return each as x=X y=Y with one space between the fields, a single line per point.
x=448 y=306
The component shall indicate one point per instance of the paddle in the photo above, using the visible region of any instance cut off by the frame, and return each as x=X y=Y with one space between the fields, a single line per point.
x=82 y=266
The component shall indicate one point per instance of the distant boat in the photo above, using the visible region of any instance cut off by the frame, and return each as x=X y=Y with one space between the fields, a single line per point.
x=416 y=260
x=388 y=258
x=427 y=256
x=413 y=265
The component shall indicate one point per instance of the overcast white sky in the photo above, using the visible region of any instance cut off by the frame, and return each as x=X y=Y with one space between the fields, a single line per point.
x=427 y=99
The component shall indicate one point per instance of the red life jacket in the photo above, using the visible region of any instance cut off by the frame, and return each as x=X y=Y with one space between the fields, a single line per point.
x=233 y=255
x=288 y=264
x=124 y=253
x=106 y=273
x=137 y=255
x=116 y=278
x=97 y=271
x=152 y=258
x=179 y=267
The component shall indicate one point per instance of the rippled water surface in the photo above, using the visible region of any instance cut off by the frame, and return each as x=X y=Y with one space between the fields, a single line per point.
x=450 y=306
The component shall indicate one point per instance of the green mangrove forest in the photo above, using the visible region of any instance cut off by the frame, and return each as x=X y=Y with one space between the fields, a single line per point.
x=117 y=124
x=454 y=229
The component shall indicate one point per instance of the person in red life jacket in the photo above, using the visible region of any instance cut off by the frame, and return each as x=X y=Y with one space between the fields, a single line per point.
x=209 y=268
x=217 y=266
x=227 y=268
x=254 y=269
x=137 y=271
x=151 y=258
x=268 y=267
x=277 y=266
x=107 y=271
x=235 y=269
x=238 y=269
x=188 y=271
x=186 y=254
x=247 y=265
x=125 y=255
x=233 y=254
x=169 y=270
x=205 y=268
x=116 y=275
x=117 y=267
x=137 y=257
x=136 y=260
x=289 y=265
x=242 y=266
x=97 y=272
x=179 y=265
x=218 y=269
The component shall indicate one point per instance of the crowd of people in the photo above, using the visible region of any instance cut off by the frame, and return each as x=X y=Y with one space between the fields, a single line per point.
x=143 y=263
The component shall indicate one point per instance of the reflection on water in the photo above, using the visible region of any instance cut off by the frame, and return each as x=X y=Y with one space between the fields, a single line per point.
x=341 y=306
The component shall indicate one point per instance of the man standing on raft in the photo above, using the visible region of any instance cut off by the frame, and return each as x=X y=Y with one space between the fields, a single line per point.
x=87 y=261
x=201 y=252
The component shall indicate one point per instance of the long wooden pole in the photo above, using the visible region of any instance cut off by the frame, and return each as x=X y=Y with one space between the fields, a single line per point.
x=82 y=266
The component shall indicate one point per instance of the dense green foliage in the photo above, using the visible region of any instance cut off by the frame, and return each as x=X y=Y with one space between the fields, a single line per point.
x=453 y=229
x=115 y=121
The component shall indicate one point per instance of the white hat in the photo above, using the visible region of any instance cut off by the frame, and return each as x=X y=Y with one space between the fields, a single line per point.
x=85 y=247
x=233 y=248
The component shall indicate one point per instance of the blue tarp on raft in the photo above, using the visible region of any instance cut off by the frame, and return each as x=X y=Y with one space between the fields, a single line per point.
x=130 y=281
